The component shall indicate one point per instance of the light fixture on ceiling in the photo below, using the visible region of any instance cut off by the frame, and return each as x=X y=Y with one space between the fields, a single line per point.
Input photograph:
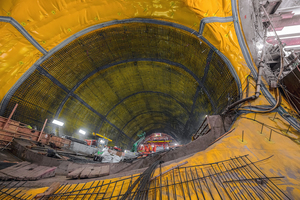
x=59 y=123
x=82 y=132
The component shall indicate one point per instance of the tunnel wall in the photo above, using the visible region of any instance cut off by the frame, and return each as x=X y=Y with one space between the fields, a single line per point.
x=127 y=78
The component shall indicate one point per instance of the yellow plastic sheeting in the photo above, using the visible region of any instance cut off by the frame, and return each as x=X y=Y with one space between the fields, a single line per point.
x=16 y=55
x=223 y=37
x=284 y=146
x=215 y=8
x=51 y=22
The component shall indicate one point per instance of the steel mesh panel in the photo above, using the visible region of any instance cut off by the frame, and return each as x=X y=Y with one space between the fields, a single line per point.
x=76 y=116
x=38 y=99
x=220 y=83
x=117 y=43
x=111 y=86
x=113 y=134
x=160 y=47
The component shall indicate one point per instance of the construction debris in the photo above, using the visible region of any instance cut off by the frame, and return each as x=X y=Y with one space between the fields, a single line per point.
x=53 y=187
x=89 y=172
x=26 y=171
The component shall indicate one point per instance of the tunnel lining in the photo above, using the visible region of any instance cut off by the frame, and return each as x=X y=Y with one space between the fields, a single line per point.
x=13 y=89
x=193 y=99
x=71 y=92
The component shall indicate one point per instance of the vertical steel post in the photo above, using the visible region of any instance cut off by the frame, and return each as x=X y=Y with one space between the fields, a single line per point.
x=11 y=114
x=288 y=129
x=42 y=129
x=274 y=116
x=243 y=136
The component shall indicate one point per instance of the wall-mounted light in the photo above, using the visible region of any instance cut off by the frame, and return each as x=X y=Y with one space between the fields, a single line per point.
x=59 y=123
x=82 y=132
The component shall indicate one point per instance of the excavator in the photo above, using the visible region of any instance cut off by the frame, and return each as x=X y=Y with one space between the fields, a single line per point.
x=136 y=144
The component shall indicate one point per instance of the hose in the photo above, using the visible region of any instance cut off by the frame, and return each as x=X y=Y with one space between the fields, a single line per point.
x=258 y=84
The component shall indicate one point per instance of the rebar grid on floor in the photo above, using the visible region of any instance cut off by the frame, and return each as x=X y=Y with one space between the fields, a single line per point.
x=235 y=178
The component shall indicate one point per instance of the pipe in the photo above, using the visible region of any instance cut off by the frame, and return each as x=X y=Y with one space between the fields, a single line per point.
x=258 y=83
x=253 y=97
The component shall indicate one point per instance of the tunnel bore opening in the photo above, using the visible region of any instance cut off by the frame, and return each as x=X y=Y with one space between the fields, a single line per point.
x=124 y=79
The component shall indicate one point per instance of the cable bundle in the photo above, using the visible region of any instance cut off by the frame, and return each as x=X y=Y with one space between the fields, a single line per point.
x=144 y=181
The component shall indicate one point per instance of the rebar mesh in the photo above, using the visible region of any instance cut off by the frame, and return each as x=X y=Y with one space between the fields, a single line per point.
x=234 y=178
x=114 y=74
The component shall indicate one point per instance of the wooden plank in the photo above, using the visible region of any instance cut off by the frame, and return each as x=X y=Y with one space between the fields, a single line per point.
x=53 y=187
x=73 y=166
x=104 y=170
x=15 y=167
x=75 y=173
x=20 y=174
x=46 y=173
x=11 y=114
x=86 y=172
x=17 y=171
x=27 y=171
x=34 y=172
x=95 y=172
x=5 y=176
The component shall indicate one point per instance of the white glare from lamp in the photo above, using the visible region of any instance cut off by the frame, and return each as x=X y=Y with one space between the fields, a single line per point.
x=82 y=132
x=59 y=123
x=176 y=144
x=259 y=46
x=102 y=141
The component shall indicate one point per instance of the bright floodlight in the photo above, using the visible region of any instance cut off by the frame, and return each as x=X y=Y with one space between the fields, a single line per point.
x=57 y=122
x=82 y=132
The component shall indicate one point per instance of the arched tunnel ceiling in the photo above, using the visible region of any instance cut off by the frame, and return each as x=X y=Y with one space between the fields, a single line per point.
x=128 y=78
x=50 y=25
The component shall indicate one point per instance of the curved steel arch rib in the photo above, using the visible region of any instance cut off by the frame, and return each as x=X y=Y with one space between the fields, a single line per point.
x=144 y=92
x=135 y=60
x=168 y=114
x=12 y=90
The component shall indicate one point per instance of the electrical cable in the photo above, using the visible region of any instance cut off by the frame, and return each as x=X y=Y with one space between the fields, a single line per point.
x=257 y=93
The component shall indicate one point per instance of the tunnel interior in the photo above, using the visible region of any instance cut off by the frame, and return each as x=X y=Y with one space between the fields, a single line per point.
x=124 y=79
